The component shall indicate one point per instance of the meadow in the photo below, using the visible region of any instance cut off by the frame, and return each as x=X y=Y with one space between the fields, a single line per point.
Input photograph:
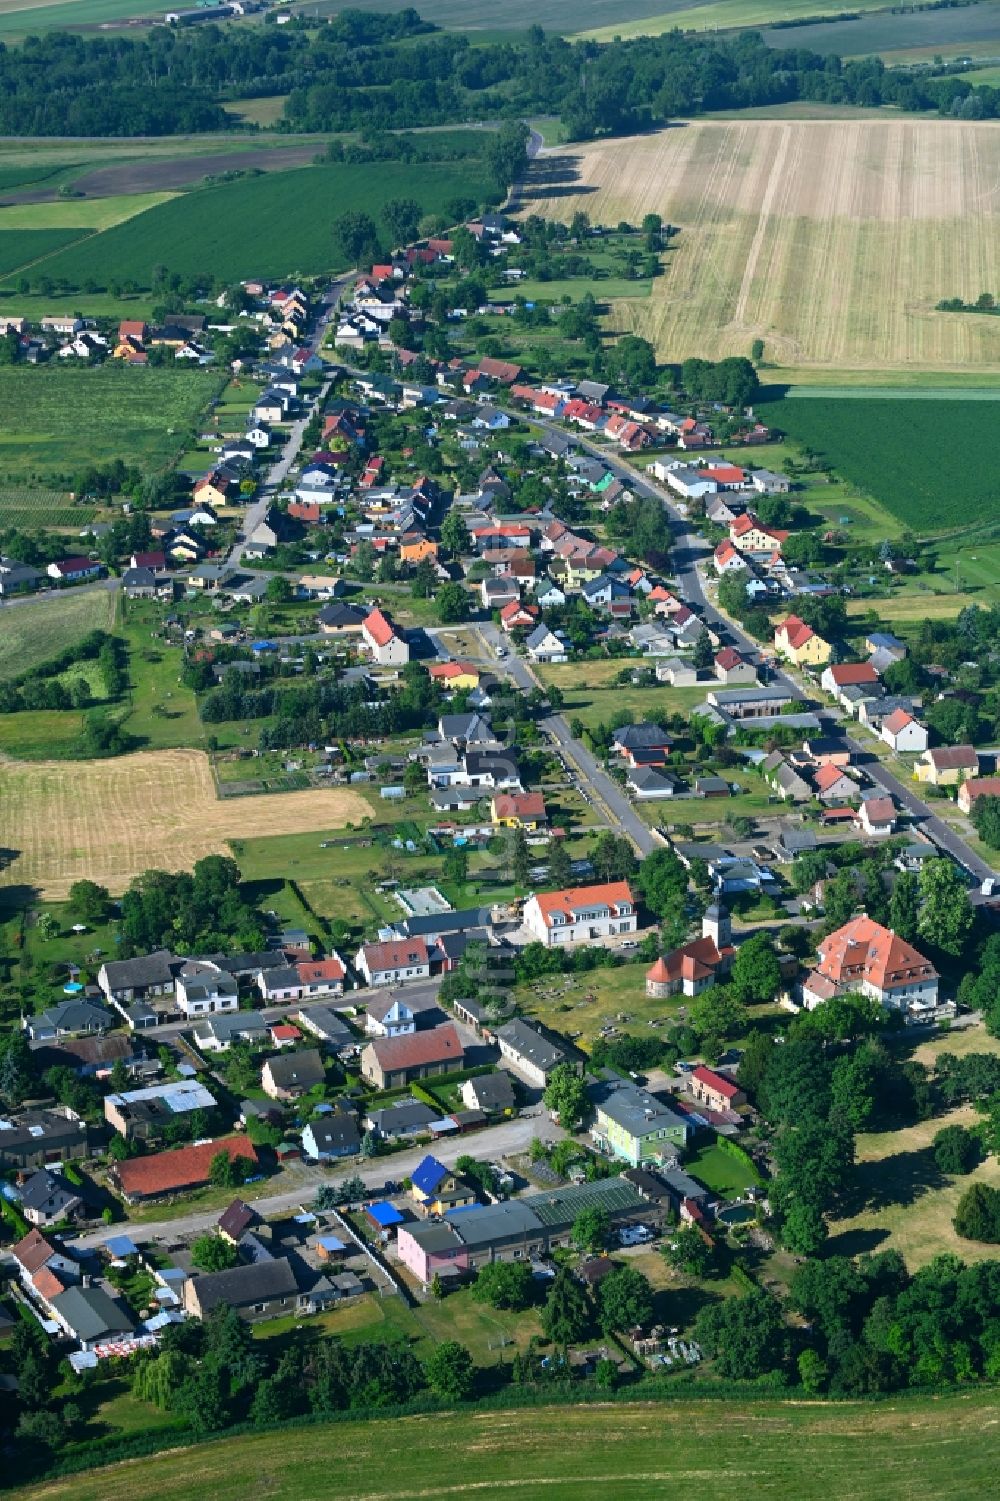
x=55 y=421
x=20 y=248
x=831 y=241
x=276 y=224
x=970 y=30
x=35 y=630
x=649 y=1451
x=19 y=18
x=893 y=448
x=111 y=820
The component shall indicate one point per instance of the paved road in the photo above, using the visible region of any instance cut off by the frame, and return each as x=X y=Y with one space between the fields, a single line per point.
x=508 y=1139
x=278 y=471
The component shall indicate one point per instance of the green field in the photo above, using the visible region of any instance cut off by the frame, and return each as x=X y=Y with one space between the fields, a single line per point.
x=273 y=225
x=969 y=30
x=36 y=630
x=58 y=420
x=18 y=19
x=22 y=247
x=895 y=450
x=937 y=1447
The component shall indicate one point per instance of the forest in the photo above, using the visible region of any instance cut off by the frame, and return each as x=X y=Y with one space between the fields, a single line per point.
x=363 y=72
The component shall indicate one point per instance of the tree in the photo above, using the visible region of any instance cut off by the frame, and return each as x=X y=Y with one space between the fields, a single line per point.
x=453 y=604
x=566 y=1096
x=904 y=906
x=278 y=591
x=745 y=1336
x=519 y=855
x=812 y=1373
x=977 y=1216
x=504 y=1284
x=356 y=237
x=718 y=1014
x=756 y=973
x=956 y=1150
x=856 y=1082
x=662 y=882
x=946 y=916
x=213 y=1254
x=704 y=653
x=229 y=1172
x=560 y=864
x=454 y=534
x=986 y=818
x=688 y=1251
x=624 y=1301
x=401 y=217
x=804 y=1229
x=565 y=1315
x=591 y=1229
x=89 y=902
x=449 y=1371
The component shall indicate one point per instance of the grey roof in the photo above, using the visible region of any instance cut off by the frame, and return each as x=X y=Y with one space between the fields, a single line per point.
x=636 y=1110
x=241 y=1286
x=282 y=979
x=409 y=1115
x=642 y=736
x=27 y=1134
x=229 y=1024
x=649 y=779
x=436 y=1235
x=324 y=1021
x=156 y=968
x=494 y=1222
x=301 y=1069
x=493 y=1091
x=91 y=1313
x=48 y=1193
x=681 y=1185
x=74 y=1016
x=560 y=1206
x=467 y=727
x=528 y=1043
x=248 y=964
x=444 y=922
x=337 y=1132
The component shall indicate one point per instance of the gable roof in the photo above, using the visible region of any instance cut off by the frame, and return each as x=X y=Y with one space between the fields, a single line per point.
x=239 y=1286
x=439 y=1045
x=897 y=720
x=574 y=899
x=379 y=628
x=852 y=674
x=184 y=1167
x=952 y=757
x=301 y=1069
x=396 y=953
x=715 y=1081
x=428 y=1175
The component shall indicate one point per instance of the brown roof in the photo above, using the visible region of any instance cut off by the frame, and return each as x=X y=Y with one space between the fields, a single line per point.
x=849 y=674
x=236 y=1219
x=439 y=1045
x=185 y=1167
x=47 y=1284
x=865 y=949
x=398 y=953
x=982 y=787
x=953 y=757
x=33 y=1251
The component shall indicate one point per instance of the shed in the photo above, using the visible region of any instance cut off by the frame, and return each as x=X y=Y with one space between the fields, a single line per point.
x=383 y=1215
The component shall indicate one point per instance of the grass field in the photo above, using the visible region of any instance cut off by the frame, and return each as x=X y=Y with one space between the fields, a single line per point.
x=941 y=1447
x=23 y=247
x=34 y=630
x=58 y=420
x=257 y=224
x=892 y=449
x=262 y=112
x=79 y=213
x=111 y=820
x=831 y=241
x=719 y=15
x=23 y=17
x=969 y=30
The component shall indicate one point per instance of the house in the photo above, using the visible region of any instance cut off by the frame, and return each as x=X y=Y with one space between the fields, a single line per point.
x=518 y=810
x=531 y=1053
x=843 y=675
x=730 y=667
x=393 y=1062
x=235 y=1221
x=332 y=1136
x=18 y=578
x=634 y=1125
x=884 y=641
x=832 y=785
x=491 y=1093
x=47 y=1198
x=203 y=988
x=388 y=1016
x=339 y=619
x=903 y=734
x=387 y=647
x=786 y=781
x=946 y=765
x=863 y=955
x=514 y=616
x=144 y=1178
x=643 y=744
x=436 y=1190
x=216 y=1033
x=455 y=677
x=74 y=1018
x=74 y=570
x=303 y=981
x=695 y=966
x=403 y=1118
x=394 y=962
x=138 y=1114
x=263 y=1289
x=91 y=1316
x=289 y=1075
x=323 y=1022
x=647 y=784
x=827 y=751
x=544 y=645
x=877 y=817
x=581 y=914
x=728 y=559
x=41 y=1138
x=799 y=643
x=975 y=788
x=717 y=1091
x=750 y=536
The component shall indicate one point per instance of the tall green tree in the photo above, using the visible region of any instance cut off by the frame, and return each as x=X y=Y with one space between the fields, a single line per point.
x=566 y=1312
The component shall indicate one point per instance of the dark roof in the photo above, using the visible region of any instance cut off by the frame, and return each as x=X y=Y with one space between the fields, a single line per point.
x=237 y=1219
x=336 y=1131
x=146 y=969
x=444 y=922
x=242 y=1286
x=493 y=1091
x=48 y=1193
x=91 y=1313
x=408 y=1115
x=299 y=1070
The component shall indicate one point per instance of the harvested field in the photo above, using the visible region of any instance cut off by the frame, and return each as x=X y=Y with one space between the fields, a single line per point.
x=111 y=820
x=830 y=240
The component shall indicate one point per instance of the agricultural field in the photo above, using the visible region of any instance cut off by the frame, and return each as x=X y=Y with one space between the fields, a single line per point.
x=111 y=820
x=831 y=241
x=35 y=630
x=21 y=248
x=25 y=507
x=722 y=15
x=55 y=421
x=651 y=1451
x=20 y=18
x=891 y=449
x=257 y=224
x=968 y=31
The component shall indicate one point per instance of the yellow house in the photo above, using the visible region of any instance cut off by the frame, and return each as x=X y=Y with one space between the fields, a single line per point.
x=435 y=1190
x=946 y=765
x=455 y=677
x=799 y=643
x=518 y=810
x=418 y=550
x=208 y=493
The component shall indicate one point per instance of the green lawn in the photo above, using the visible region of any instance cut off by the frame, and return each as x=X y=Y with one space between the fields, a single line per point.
x=940 y=1447
x=580 y=1005
x=35 y=630
x=161 y=711
x=711 y=1164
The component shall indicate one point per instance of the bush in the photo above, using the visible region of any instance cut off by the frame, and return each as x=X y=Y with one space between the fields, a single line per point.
x=956 y=1150
x=978 y=1214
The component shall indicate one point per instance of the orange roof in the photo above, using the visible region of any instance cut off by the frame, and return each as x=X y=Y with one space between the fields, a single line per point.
x=47 y=1284
x=850 y=674
x=795 y=632
x=185 y=1167
x=519 y=805
x=33 y=1251
x=582 y=899
x=726 y=474
x=827 y=776
x=897 y=720
x=864 y=949
x=445 y=670
x=696 y=960
x=320 y=969
x=414 y=1049
x=397 y=953
x=981 y=787
x=378 y=627
x=284 y=1032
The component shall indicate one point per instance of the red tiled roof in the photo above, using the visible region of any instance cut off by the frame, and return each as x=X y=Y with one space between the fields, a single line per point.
x=320 y=969
x=692 y=961
x=879 y=810
x=284 y=1032
x=727 y=658
x=897 y=720
x=452 y=669
x=519 y=805
x=33 y=1251
x=398 y=953
x=184 y=1167
x=982 y=787
x=47 y=1284
x=827 y=776
x=580 y=898
x=715 y=1081
x=865 y=949
x=726 y=474
x=851 y=674
x=414 y=1049
x=501 y=370
x=378 y=628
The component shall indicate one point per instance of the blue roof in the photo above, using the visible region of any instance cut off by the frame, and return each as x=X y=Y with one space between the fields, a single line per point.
x=121 y=1245
x=331 y=1243
x=384 y=1213
x=428 y=1174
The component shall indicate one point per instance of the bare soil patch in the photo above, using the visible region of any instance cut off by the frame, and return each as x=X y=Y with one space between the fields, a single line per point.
x=181 y=172
x=108 y=821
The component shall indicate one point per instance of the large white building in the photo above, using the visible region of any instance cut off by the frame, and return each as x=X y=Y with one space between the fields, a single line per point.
x=581 y=914
x=865 y=956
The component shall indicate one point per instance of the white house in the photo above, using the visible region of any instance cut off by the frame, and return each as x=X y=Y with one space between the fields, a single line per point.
x=387 y=1016
x=203 y=989
x=395 y=962
x=904 y=734
x=581 y=914
x=387 y=646
x=544 y=645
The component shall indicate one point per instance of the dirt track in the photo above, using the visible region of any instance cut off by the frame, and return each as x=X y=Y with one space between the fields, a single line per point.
x=108 y=821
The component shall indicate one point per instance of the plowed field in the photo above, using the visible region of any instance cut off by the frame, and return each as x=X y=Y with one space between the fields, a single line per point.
x=830 y=240
x=108 y=821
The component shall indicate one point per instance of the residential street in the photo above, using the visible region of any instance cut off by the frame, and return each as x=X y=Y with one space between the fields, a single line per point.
x=510 y=1138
